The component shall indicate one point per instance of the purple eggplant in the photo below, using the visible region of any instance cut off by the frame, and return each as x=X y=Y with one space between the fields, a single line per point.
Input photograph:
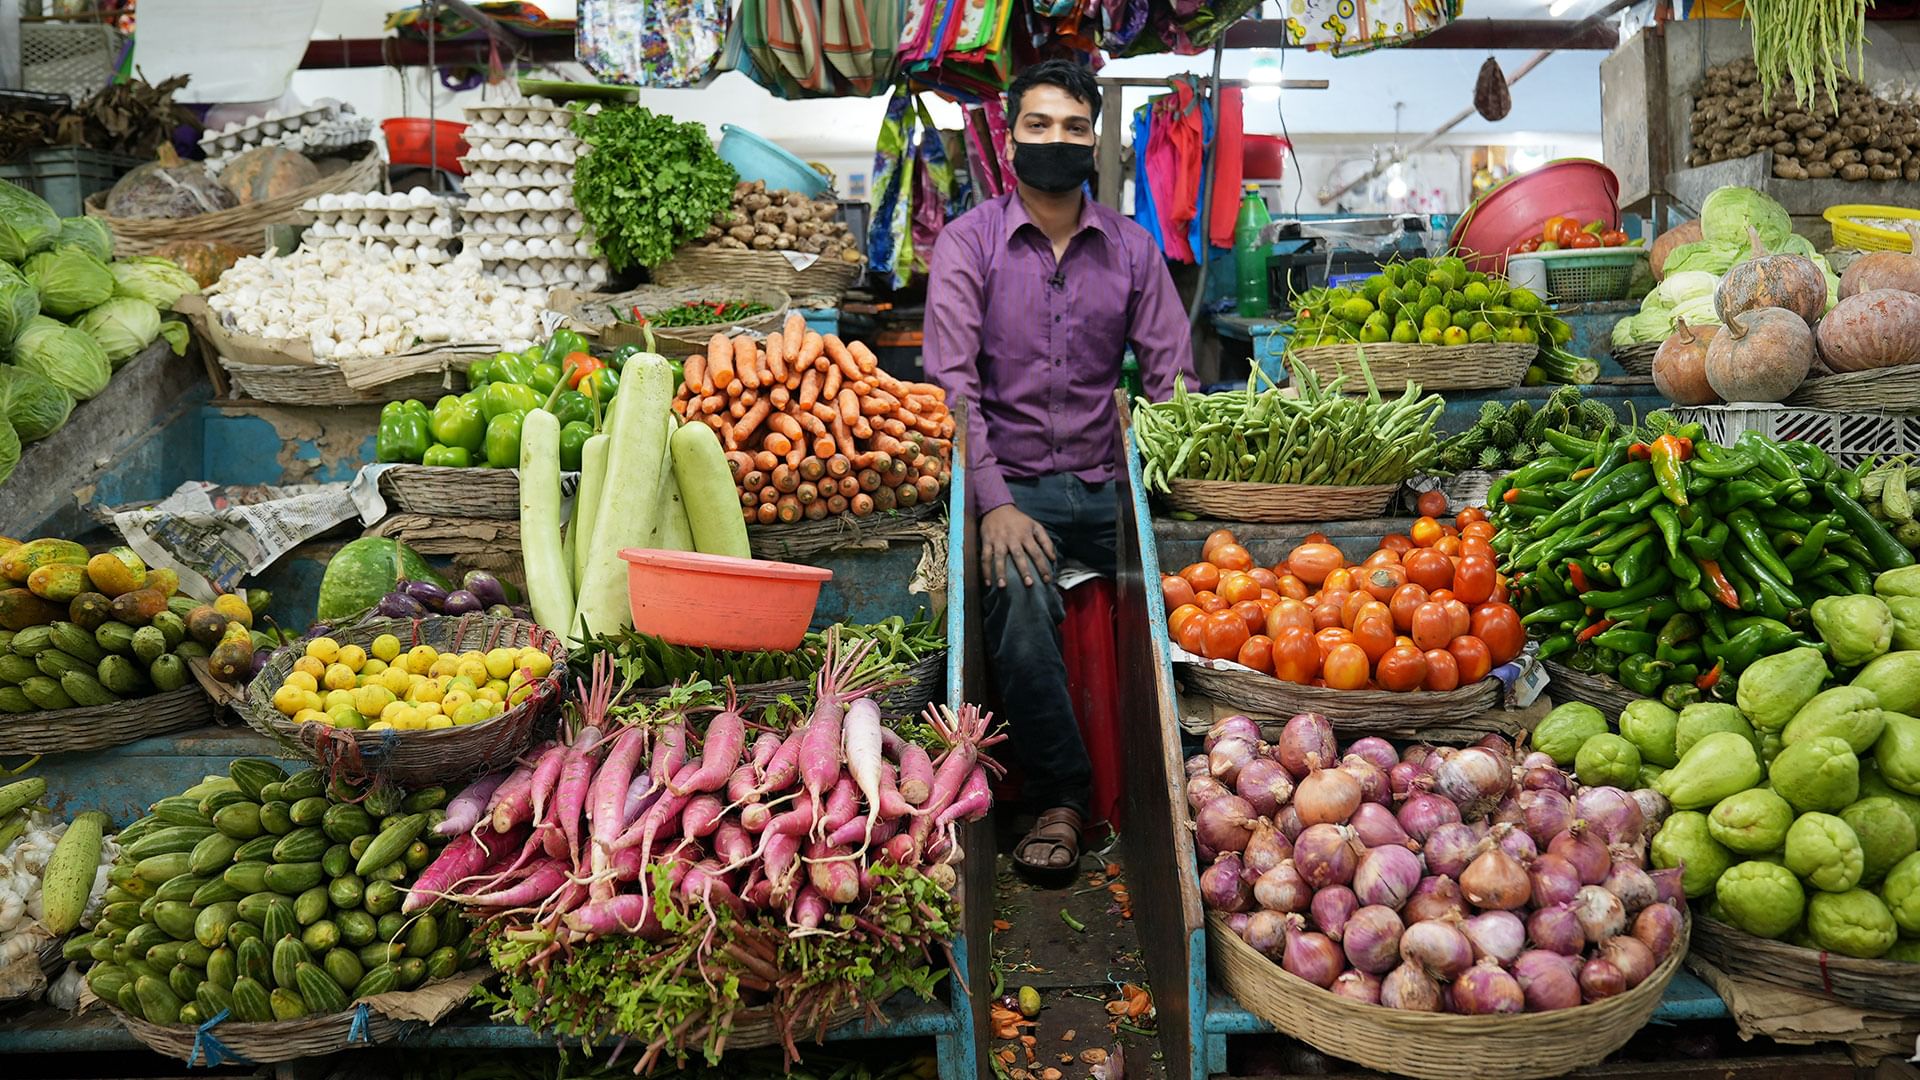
x=433 y=596
x=500 y=611
x=461 y=602
x=260 y=658
x=523 y=613
x=490 y=589
x=399 y=605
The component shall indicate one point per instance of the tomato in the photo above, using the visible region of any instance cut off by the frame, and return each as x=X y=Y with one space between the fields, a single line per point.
x=1257 y=654
x=1477 y=530
x=1470 y=515
x=1401 y=668
x=1286 y=615
x=1398 y=543
x=1441 y=596
x=1385 y=580
x=1566 y=233
x=1336 y=597
x=1475 y=546
x=1433 y=503
x=1432 y=629
x=1224 y=633
x=1178 y=618
x=1214 y=540
x=1295 y=655
x=1612 y=238
x=1550 y=229
x=1268 y=598
x=1470 y=653
x=1473 y=579
x=1267 y=578
x=1340 y=580
x=1406 y=600
x=1382 y=557
x=1429 y=569
x=1500 y=593
x=1327 y=615
x=1447 y=545
x=1346 y=667
x=1203 y=576
x=1443 y=671
x=1425 y=531
x=1372 y=609
x=1531 y=243
x=1236 y=586
x=1326 y=639
x=1210 y=602
x=1312 y=563
x=1293 y=587
x=1584 y=239
x=1374 y=635
x=1314 y=538
x=1175 y=591
x=1350 y=607
x=1459 y=617
x=1252 y=614
x=1232 y=557
x=1192 y=635
x=1499 y=626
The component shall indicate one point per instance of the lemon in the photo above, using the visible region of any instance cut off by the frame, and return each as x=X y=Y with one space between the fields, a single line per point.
x=517 y=680
x=490 y=693
x=392 y=709
x=372 y=700
x=353 y=656
x=310 y=666
x=396 y=679
x=385 y=648
x=421 y=658
x=338 y=677
x=472 y=712
x=428 y=708
x=404 y=718
x=324 y=649
x=522 y=694
x=436 y=722
x=304 y=680
x=309 y=716
x=461 y=682
x=446 y=666
x=288 y=699
x=499 y=662
x=534 y=662
x=380 y=725
x=336 y=697
x=424 y=691
x=452 y=700
x=472 y=670
x=346 y=716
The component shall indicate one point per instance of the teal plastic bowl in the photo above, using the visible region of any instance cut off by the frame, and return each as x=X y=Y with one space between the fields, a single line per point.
x=755 y=158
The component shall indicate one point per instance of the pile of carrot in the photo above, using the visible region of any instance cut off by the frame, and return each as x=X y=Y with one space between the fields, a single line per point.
x=813 y=427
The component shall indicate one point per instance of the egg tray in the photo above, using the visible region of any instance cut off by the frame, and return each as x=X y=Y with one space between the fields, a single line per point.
x=427 y=217
x=517 y=153
x=534 y=201
x=402 y=234
x=237 y=134
x=524 y=222
x=534 y=273
x=549 y=130
x=526 y=183
x=534 y=110
x=493 y=248
x=323 y=139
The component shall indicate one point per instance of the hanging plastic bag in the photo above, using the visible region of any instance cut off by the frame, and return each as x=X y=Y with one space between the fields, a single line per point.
x=661 y=43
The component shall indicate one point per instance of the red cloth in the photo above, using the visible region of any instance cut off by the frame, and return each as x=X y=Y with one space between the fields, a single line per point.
x=1093 y=678
x=1229 y=130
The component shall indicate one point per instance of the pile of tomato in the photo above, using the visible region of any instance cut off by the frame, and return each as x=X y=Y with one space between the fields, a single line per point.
x=1562 y=232
x=1426 y=611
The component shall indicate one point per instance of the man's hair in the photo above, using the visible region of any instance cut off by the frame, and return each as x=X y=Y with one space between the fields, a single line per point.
x=1076 y=79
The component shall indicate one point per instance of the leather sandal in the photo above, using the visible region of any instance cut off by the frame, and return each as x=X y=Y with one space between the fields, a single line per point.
x=1050 y=852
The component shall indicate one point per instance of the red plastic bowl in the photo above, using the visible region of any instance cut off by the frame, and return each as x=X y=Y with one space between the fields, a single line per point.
x=1496 y=224
x=410 y=142
x=720 y=602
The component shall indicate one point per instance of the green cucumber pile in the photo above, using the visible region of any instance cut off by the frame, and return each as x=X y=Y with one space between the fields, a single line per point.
x=270 y=897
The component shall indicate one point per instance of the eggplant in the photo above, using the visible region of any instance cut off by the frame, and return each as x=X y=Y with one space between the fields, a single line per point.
x=523 y=613
x=500 y=611
x=461 y=602
x=260 y=658
x=429 y=594
x=490 y=589
x=399 y=605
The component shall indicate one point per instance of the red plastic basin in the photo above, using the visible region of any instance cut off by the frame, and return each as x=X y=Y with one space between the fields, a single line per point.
x=410 y=142
x=1496 y=224
x=720 y=602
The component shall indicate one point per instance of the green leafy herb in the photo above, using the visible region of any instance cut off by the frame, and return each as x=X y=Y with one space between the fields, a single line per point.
x=648 y=184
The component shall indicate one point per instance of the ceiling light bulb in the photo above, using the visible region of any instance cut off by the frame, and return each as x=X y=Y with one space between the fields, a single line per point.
x=1559 y=8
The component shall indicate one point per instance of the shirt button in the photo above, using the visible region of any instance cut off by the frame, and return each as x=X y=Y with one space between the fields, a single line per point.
x=1056 y=318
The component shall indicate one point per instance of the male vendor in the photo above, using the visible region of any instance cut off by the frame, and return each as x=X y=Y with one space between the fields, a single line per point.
x=1032 y=300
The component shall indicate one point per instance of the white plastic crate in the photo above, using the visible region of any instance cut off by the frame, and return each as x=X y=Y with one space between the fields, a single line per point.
x=75 y=59
x=1848 y=438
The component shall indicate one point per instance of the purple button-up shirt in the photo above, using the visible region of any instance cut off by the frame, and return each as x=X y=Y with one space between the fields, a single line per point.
x=1034 y=346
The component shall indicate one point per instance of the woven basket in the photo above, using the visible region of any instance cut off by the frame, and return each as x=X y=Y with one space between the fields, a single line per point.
x=1353 y=712
x=803 y=539
x=439 y=491
x=1878 y=985
x=440 y=756
x=1493 y=366
x=1879 y=391
x=95 y=727
x=1440 y=1046
x=265 y=1043
x=1229 y=500
x=245 y=227
x=1602 y=692
x=303 y=384
x=594 y=314
x=1636 y=359
x=750 y=269
x=927 y=679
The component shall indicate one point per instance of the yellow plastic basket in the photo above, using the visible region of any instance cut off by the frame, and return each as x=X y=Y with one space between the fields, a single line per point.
x=1849 y=233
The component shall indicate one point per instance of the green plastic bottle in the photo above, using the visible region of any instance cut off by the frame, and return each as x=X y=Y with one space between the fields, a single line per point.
x=1250 y=255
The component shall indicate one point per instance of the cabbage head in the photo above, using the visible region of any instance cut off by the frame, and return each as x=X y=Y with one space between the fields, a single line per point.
x=89 y=233
x=1676 y=288
x=34 y=406
x=1698 y=311
x=1623 y=332
x=68 y=358
x=19 y=301
x=70 y=280
x=123 y=326
x=27 y=223
x=1727 y=213
x=9 y=450
x=158 y=281
x=1711 y=258
x=1653 y=324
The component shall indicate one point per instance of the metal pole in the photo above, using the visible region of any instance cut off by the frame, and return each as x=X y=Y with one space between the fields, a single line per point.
x=1206 y=184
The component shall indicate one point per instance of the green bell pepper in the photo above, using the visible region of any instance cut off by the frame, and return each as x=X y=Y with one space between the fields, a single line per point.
x=1679 y=695
x=1641 y=674
x=503 y=440
x=602 y=384
x=510 y=368
x=402 y=433
x=559 y=345
x=1555 y=645
x=543 y=378
x=452 y=457
x=455 y=422
x=1625 y=640
x=502 y=398
x=618 y=361
x=572 y=405
x=480 y=372
x=573 y=436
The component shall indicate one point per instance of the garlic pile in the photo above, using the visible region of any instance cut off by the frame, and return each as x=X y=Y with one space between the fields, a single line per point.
x=360 y=298
x=520 y=218
x=415 y=218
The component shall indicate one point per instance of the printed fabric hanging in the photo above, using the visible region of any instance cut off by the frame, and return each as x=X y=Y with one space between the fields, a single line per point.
x=1173 y=198
x=1351 y=27
x=658 y=43
x=912 y=190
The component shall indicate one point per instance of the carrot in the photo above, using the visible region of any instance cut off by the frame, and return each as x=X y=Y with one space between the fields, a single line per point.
x=823 y=446
x=861 y=504
x=739 y=462
x=869 y=480
x=720 y=359
x=806 y=492
x=863 y=356
x=713 y=403
x=777 y=443
x=837 y=352
x=893 y=427
x=776 y=353
x=753 y=480
x=765 y=461
x=842 y=437
x=751 y=421
x=816 y=510
x=769 y=495
x=780 y=396
x=794 y=333
x=849 y=486
x=736 y=408
x=785 y=425
x=746 y=362
x=830 y=389
x=862 y=428
x=837 y=465
x=928 y=427
x=849 y=403
x=736 y=387
x=786 y=479
x=749 y=500
x=836 y=503
x=929 y=488
x=787 y=509
x=809 y=352
x=825 y=410
x=878 y=402
x=695 y=372
x=809 y=389
x=904 y=494
x=887 y=444
x=883 y=498
x=766 y=514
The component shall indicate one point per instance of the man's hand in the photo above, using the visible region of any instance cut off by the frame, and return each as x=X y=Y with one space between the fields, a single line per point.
x=1006 y=533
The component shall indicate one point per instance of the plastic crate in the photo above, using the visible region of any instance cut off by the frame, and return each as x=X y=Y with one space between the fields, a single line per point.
x=1848 y=438
x=66 y=175
x=76 y=59
x=1589 y=275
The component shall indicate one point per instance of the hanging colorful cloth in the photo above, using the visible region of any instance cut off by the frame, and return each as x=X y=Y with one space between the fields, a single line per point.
x=933 y=190
x=758 y=61
x=987 y=159
x=913 y=187
x=886 y=21
x=662 y=43
x=1143 y=209
x=1229 y=142
x=793 y=32
x=1183 y=124
x=843 y=35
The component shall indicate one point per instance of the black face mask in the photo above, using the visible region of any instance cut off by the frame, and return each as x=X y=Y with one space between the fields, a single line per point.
x=1055 y=167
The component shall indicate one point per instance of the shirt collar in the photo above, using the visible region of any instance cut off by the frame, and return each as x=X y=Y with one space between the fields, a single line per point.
x=1091 y=217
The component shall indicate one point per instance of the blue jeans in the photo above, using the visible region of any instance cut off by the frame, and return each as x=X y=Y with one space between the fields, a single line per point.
x=1023 y=643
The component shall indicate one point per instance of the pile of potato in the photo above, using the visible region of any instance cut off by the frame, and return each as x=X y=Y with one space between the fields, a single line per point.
x=762 y=220
x=1870 y=138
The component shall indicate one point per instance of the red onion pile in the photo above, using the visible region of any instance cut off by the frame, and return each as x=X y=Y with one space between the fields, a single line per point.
x=1470 y=880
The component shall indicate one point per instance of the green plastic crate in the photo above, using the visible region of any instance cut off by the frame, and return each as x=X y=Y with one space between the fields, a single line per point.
x=1589 y=275
x=66 y=175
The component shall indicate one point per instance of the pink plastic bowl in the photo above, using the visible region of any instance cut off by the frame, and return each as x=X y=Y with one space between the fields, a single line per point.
x=1495 y=225
x=720 y=602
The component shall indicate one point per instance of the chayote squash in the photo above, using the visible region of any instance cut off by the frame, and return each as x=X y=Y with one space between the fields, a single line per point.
x=1773 y=688
x=1846 y=712
x=1706 y=717
x=1906 y=621
x=1873 y=784
x=1820 y=773
x=1651 y=727
x=1607 y=760
x=1685 y=841
x=1562 y=732
x=1897 y=753
x=1886 y=835
x=1852 y=923
x=1901 y=891
x=1717 y=766
x=1894 y=680
x=1751 y=822
x=1856 y=628
x=1762 y=898
x=1902 y=582
x=1826 y=854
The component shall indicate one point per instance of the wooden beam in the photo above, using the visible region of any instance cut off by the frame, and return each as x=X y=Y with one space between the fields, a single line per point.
x=406 y=52
x=1476 y=34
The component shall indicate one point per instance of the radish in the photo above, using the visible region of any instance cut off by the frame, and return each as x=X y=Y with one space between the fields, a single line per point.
x=459 y=860
x=463 y=813
x=701 y=816
x=731 y=843
x=901 y=850
x=965 y=733
x=855 y=832
x=640 y=795
x=809 y=908
x=546 y=773
x=570 y=794
x=539 y=883
x=513 y=799
x=704 y=882
x=842 y=804
x=669 y=751
x=839 y=683
x=782 y=851
x=754 y=817
x=764 y=747
x=628 y=913
x=972 y=803
x=916 y=774
x=782 y=767
x=719 y=753
x=607 y=801
x=861 y=745
x=831 y=871
x=740 y=784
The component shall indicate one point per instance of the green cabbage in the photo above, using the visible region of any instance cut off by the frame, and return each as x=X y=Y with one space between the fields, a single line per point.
x=1623 y=332
x=70 y=359
x=34 y=406
x=1698 y=311
x=1653 y=324
x=158 y=281
x=91 y=234
x=1726 y=215
x=123 y=326
x=1711 y=258
x=70 y=280
x=1678 y=288
x=19 y=301
x=27 y=223
x=9 y=448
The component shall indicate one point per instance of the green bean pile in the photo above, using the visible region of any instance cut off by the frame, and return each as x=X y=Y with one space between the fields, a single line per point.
x=1321 y=436
x=1805 y=40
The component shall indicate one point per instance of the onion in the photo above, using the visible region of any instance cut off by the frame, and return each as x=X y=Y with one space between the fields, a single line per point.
x=1546 y=779
x=1281 y=889
x=1486 y=989
x=1331 y=908
x=1225 y=824
x=1600 y=978
x=1631 y=884
x=1265 y=785
x=1372 y=779
x=1202 y=790
x=1610 y=812
x=1548 y=979
x=1507 y=810
x=1326 y=854
x=1313 y=957
x=1196 y=766
x=1228 y=757
x=1654 y=808
x=1601 y=913
x=1657 y=926
x=1555 y=928
x=1631 y=956
x=1327 y=797
x=1267 y=848
x=1231 y=727
x=1436 y=897
x=1222 y=887
x=1450 y=848
x=1407 y=987
x=1307 y=743
x=1537 y=759
x=1585 y=851
x=1500 y=747
x=1288 y=822
x=1206 y=854
x=1418 y=754
x=1474 y=777
x=1406 y=777
x=1266 y=931
x=1438 y=948
x=1496 y=881
x=1372 y=939
x=1358 y=986
x=1667 y=887
x=1514 y=841
x=1237 y=922
x=1376 y=826
x=1376 y=750
x=1424 y=812
x=1386 y=876
x=1545 y=814
x=1552 y=879
x=1499 y=934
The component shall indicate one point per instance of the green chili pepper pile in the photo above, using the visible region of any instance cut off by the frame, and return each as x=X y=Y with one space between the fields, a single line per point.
x=1671 y=563
x=1321 y=436
x=1890 y=492
x=698 y=313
